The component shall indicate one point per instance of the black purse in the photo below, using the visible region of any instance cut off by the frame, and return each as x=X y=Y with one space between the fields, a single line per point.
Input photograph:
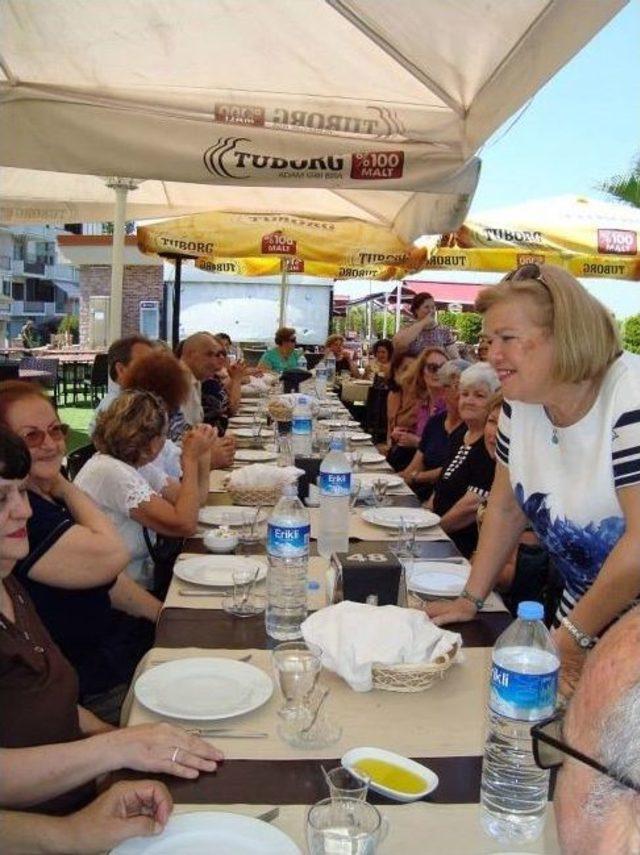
x=163 y=554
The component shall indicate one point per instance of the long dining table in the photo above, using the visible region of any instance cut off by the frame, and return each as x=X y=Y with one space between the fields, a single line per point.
x=442 y=727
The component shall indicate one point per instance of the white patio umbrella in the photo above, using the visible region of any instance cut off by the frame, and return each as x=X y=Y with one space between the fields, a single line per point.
x=365 y=108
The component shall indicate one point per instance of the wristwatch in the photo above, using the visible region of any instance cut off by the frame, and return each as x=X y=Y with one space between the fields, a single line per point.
x=477 y=602
x=584 y=641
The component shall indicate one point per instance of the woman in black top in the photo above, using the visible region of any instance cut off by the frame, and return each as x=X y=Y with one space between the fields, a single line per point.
x=467 y=474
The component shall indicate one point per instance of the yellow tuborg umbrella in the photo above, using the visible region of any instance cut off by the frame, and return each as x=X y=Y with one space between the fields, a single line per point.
x=587 y=237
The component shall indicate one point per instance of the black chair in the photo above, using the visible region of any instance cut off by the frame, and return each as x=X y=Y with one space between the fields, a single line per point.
x=76 y=459
x=9 y=371
x=51 y=366
x=375 y=420
x=95 y=387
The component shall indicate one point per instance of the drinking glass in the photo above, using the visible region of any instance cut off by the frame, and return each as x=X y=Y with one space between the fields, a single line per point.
x=256 y=429
x=343 y=784
x=320 y=441
x=379 y=492
x=347 y=826
x=244 y=603
x=297 y=666
x=355 y=456
x=405 y=545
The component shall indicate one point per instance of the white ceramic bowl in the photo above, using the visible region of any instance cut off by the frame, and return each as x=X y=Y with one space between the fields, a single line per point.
x=220 y=543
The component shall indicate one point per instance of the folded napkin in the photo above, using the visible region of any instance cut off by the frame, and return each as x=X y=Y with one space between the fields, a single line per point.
x=353 y=636
x=263 y=475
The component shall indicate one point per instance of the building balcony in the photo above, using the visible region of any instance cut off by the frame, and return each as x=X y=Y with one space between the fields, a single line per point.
x=5 y=263
x=66 y=272
x=33 y=307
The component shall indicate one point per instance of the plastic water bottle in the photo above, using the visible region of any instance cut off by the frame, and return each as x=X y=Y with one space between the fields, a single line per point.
x=302 y=427
x=330 y=362
x=334 y=483
x=524 y=684
x=302 y=361
x=321 y=380
x=288 y=557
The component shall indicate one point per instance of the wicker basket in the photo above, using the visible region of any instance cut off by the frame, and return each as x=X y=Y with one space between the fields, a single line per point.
x=255 y=496
x=279 y=411
x=412 y=677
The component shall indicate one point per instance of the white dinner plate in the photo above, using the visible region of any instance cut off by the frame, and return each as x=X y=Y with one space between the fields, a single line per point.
x=359 y=437
x=372 y=457
x=438 y=578
x=247 y=432
x=248 y=407
x=340 y=423
x=203 y=688
x=203 y=832
x=429 y=777
x=246 y=420
x=216 y=570
x=394 y=517
x=367 y=479
x=229 y=515
x=255 y=455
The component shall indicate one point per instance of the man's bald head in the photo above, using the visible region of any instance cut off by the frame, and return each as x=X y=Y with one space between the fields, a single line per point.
x=201 y=353
x=595 y=815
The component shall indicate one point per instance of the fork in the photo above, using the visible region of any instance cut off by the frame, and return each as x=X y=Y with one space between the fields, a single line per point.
x=269 y=815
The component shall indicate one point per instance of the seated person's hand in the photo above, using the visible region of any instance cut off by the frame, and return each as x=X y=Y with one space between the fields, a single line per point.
x=236 y=369
x=222 y=452
x=127 y=809
x=198 y=440
x=163 y=748
x=396 y=433
x=408 y=440
x=406 y=476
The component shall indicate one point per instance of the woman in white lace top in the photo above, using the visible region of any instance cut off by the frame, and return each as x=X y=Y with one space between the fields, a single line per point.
x=125 y=479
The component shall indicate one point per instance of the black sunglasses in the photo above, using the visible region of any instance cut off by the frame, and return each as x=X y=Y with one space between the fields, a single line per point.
x=549 y=750
x=528 y=271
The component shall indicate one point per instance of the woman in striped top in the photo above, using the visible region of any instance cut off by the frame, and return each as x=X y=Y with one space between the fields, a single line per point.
x=569 y=454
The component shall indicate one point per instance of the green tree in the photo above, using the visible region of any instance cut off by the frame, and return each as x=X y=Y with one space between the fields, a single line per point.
x=469 y=326
x=70 y=323
x=631 y=334
x=625 y=188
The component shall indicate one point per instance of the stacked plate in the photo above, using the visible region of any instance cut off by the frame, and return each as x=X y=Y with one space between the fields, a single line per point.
x=254 y=455
x=247 y=433
x=229 y=515
x=216 y=571
x=367 y=479
x=397 y=517
x=371 y=458
x=438 y=578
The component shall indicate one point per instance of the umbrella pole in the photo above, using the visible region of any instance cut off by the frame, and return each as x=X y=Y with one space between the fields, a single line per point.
x=398 y=304
x=384 y=316
x=175 y=319
x=284 y=284
x=121 y=187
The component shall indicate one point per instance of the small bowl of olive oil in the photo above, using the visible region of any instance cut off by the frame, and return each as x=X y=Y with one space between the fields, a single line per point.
x=391 y=774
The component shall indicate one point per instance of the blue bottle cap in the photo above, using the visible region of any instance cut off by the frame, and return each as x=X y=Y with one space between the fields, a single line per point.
x=313 y=585
x=530 y=610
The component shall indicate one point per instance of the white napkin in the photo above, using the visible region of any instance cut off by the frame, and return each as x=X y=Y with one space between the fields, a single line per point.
x=353 y=636
x=263 y=475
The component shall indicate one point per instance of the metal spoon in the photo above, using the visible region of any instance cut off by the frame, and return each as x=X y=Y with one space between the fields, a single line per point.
x=317 y=711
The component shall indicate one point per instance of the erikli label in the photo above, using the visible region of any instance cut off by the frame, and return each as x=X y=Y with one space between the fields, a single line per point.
x=335 y=483
x=527 y=697
x=290 y=541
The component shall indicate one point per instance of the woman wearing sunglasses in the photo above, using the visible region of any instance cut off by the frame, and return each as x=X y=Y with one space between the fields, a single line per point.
x=51 y=748
x=569 y=454
x=283 y=356
x=421 y=399
x=100 y=618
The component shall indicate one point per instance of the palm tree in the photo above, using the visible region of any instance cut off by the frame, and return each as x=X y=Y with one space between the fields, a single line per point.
x=625 y=188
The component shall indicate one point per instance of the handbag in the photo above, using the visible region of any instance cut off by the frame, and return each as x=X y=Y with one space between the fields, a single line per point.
x=163 y=553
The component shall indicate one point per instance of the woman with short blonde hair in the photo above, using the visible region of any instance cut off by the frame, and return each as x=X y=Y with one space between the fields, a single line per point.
x=568 y=451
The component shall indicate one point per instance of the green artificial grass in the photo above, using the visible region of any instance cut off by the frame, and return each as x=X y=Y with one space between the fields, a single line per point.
x=78 y=419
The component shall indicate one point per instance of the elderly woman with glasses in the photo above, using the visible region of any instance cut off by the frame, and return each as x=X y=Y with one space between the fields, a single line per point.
x=442 y=433
x=568 y=454
x=101 y=619
x=283 y=356
x=467 y=472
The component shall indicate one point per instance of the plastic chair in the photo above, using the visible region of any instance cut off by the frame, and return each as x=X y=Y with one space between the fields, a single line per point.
x=51 y=366
x=95 y=387
x=375 y=419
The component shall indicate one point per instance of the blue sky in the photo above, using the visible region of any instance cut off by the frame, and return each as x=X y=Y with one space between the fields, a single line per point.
x=579 y=129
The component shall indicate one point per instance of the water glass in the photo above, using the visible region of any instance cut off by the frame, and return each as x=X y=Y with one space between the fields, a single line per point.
x=345 y=826
x=355 y=457
x=256 y=430
x=244 y=579
x=379 y=492
x=297 y=666
x=405 y=545
x=343 y=784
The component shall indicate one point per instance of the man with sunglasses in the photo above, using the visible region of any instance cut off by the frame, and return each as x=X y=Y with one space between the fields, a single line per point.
x=596 y=747
x=282 y=357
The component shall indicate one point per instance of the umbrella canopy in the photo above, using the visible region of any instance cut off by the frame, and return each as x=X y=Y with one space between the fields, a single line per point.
x=272 y=266
x=367 y=108
x=588 y=237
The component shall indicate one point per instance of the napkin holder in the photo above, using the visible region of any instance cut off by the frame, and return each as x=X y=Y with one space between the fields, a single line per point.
x=368 y=574
x=311 y=469
x=292 y=379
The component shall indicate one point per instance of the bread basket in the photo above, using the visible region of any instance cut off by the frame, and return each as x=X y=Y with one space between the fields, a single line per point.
x=412 y=677
x=255 y=496
x=279 y=411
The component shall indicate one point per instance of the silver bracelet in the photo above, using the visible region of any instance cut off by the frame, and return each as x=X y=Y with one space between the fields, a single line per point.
x=477 y=602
